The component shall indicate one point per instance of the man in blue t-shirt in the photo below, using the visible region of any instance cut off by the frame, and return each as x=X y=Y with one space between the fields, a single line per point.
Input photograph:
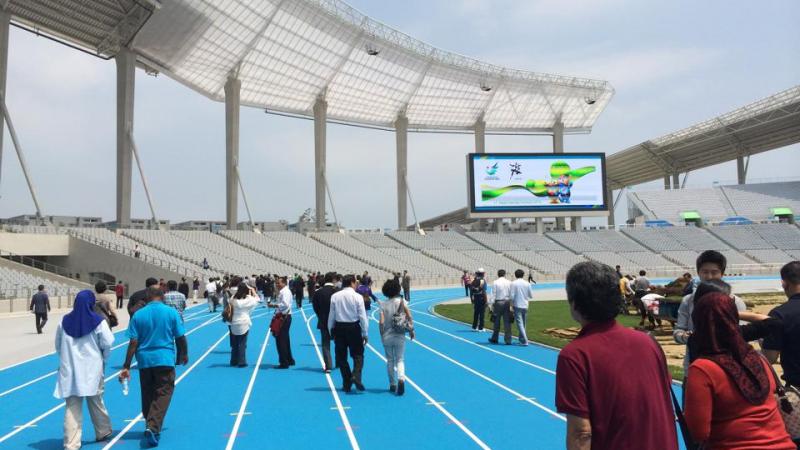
x=158 y=340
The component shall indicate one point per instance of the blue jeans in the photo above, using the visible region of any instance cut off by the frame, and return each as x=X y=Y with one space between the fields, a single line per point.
x=520 y=318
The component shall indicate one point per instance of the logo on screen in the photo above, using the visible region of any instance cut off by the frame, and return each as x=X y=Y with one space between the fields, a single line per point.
x=558 y=189
x=516 y=169
x=491 y=170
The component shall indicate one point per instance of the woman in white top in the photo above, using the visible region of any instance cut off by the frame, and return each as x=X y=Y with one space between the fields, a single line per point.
x=393 y=335
x=243 y=304
x=83 y=343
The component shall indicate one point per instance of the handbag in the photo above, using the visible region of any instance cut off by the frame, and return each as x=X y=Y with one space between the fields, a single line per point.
x=788 y=398
x=227 y=312
x=276 y=324
x=400 y=320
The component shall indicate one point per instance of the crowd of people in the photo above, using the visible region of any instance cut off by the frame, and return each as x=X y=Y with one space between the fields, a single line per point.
x=157 y=337
x=607 y=376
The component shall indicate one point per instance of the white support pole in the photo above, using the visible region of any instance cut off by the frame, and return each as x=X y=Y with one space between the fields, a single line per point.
x=612 y=221
x=558 y=147
x=244 y=198
x=320 y=144
x=539 y=225
x=480 y=135
x=15 y=140
x=126 y=80
x=401 y=135
x=577 y=224
x=333 y=207
x=232 y=103
x=685 y=177
x=135 y=151
x=413 y=209
x=5 y=20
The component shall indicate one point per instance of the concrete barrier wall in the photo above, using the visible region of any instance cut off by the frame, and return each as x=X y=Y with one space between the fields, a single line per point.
x=35 y=244
x=85 y=258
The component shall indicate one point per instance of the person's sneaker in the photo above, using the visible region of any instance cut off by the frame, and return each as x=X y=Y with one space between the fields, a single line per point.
x=327 y=370
x=492 y=341
x=401 y=387
x=151 y=437
x=392 y=388
x=359 y=386
x=347 y=388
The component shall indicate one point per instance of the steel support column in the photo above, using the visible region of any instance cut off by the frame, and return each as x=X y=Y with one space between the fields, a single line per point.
x=320 y=143
x=666 y=182
x=5 y=19
x=401 y=135
x=558 y=147
x=741 y=172
x=480 y=135
x=232 y=95
x=612 y=221
x=676 y=180
x=126 y=80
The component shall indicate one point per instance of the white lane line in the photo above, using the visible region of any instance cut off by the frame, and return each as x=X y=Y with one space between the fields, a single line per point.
x=438 y=406
x=246 y=399
x=488 y=349
x=342 y=414
x=183 y=375
x=2 y=394
x=490 y=380
x=52 y=353
x=109 y=378
x=32 y=423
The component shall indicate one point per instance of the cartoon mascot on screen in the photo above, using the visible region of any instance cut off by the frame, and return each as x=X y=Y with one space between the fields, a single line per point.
x=558 y=189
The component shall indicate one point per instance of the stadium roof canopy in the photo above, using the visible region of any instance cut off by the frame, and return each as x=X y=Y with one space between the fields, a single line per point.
x=288 y=53
x=767 y=124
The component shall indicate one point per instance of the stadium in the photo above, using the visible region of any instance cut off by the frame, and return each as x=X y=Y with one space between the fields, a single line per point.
x=534 y=202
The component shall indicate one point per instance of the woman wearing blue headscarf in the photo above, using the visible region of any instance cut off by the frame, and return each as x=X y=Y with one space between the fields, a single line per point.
x=83 y=343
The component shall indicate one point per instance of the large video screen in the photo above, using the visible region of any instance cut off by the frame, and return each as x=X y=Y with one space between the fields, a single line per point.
x=536 y=183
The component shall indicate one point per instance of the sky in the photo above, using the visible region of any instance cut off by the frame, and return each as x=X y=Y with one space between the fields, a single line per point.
x=672 y=64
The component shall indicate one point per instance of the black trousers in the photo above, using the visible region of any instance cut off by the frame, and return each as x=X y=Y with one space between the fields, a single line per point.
x=119 y=302
x=478 y=309
x=502 y=312
x=239 y=349
x=285 y=358
x=298 y=298
x=326 y=348
x=466 y=291
x=41 y=319
x=347 y=338
x=157 y=385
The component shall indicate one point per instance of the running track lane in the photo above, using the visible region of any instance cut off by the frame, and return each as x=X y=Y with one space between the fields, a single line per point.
x=460 y=393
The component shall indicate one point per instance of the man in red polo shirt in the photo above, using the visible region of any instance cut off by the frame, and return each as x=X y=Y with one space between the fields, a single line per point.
x=611 y=382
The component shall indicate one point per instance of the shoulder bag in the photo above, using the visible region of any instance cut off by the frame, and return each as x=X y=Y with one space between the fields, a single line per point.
x=400 y=319
x=788 y=399
x=227 y=312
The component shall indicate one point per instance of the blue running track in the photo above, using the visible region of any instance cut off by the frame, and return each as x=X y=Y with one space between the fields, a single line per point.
x=461 y=393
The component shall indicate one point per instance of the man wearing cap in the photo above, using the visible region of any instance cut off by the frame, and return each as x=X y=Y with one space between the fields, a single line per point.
x=478 y=289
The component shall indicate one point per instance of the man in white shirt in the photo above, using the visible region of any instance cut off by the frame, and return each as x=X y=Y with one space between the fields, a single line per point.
x=349 y=327
x=520 y=296
x=501 y=307
x=284 y=307
x=211 y=292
